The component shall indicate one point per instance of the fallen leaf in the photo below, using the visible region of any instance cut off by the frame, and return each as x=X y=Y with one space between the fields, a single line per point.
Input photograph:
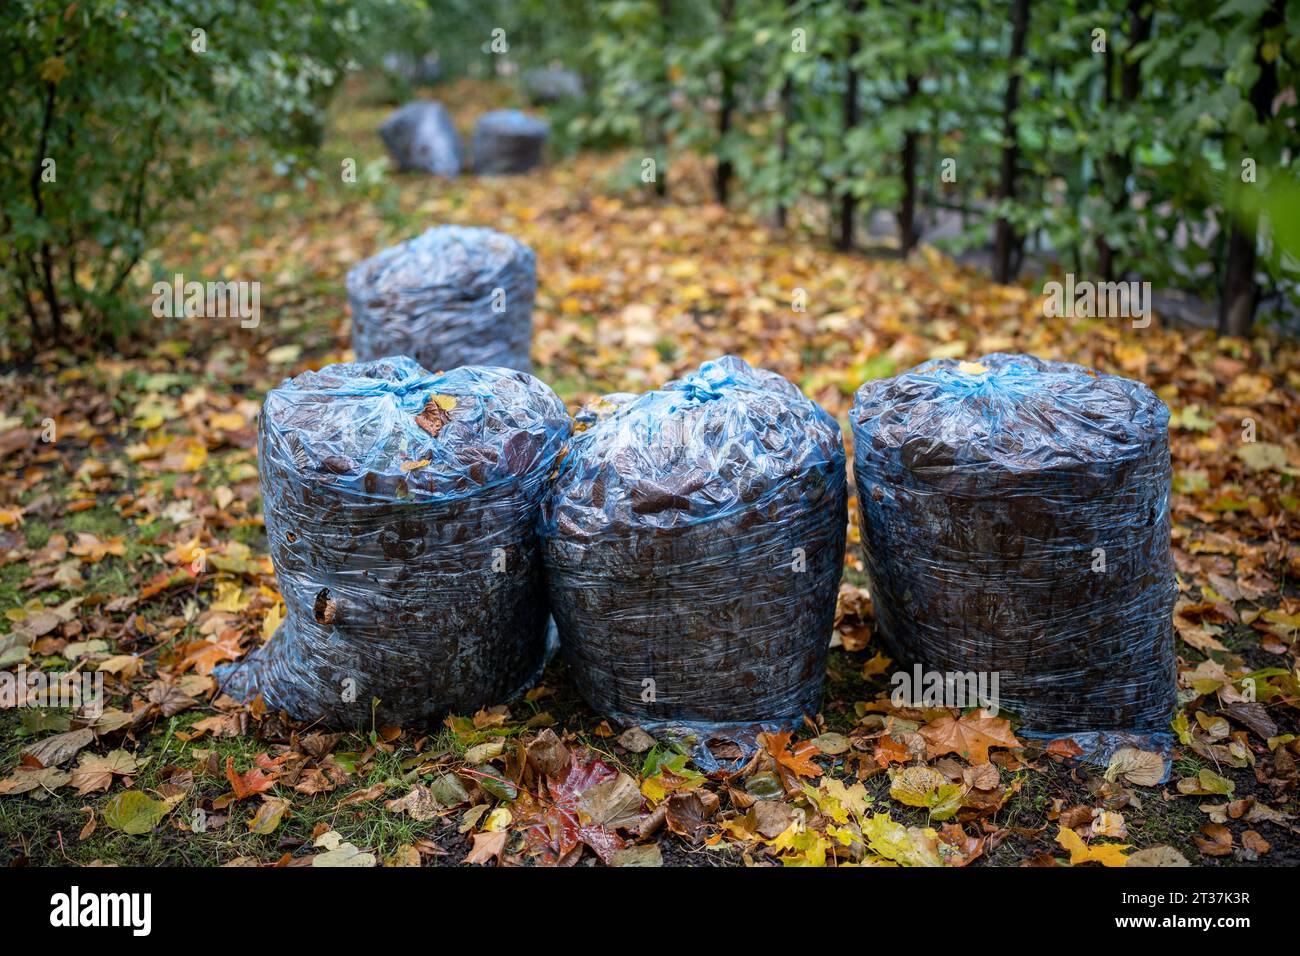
x=971 y=736
x=1141 y=768
x=268 y=815
x=134 y=812
x=1107 y=854
x=487 y=846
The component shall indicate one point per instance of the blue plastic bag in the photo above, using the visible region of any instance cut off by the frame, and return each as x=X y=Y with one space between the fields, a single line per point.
x=508 y=141
x=693 y=543
x=401 y=511
x=420 y=136
x=1015 y=521
x=452 y=296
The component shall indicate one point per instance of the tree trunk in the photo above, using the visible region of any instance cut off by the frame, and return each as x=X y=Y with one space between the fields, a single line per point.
x=661 y=136
x=849 y=204
x=1130 y=89
x=1005 y=238
x=1237 y=301
x=907 y=233
x=49 y=286
x=723 y=173
x=1240 y=294
x=787 y=117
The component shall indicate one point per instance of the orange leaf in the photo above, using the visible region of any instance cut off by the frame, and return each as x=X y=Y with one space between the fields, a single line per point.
x=246 y=785
x=797 y=761
x=971 y=736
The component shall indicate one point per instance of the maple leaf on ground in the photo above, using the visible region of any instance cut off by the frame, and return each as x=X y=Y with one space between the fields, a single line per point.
x=555 y=829
x=205 y=655
x=96 y=773
x=487 y=846
x=971 y=736
x=248 y=784
x=890 y=751
x=792 y=763
x=92 y=550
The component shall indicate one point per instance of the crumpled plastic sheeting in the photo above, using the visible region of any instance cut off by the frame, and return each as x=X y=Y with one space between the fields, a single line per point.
x=403 y=535
x=420 y=136
x=983 y=495
x=671 y=540
x=508 y=141
x=452 y=296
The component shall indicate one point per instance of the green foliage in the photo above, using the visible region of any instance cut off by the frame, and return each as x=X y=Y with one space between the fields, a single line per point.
x=117 y=114
x=1129 y=152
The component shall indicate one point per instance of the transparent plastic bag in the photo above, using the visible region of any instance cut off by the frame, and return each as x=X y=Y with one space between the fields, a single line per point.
x=1015 y=521
x=420 y=136
x=401 y=511
x=508 y=141
x=694 y=541
x=452 y=296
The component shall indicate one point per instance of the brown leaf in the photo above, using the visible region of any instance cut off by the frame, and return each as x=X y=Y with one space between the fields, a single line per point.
x=685 y=814
x=59 y=748
x=94 y=772
x=770 y=818
x=1252 y=841
x=419 y=804
x=971 y=736
x=547 y=754
x=434 y=416
x=636 y=740
x=487 y=846
x=1064 y=747
x=362 y=796
x=1217 y=840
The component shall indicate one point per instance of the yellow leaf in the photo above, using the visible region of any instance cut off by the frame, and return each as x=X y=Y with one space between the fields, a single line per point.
x=230 y=597
x=268 y=815
x=227 y=421
x=1107 y=854
x=272 y=620
x=927 y=787
x=908 y=846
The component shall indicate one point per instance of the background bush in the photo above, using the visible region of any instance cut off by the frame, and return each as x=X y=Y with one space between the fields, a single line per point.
x=117 y=115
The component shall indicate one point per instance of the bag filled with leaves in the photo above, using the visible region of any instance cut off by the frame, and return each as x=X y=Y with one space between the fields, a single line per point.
x=453 y=296
x=1015 y=522
x=401 y=510
x=508 y=141
x=420 y=137
x=693 y=541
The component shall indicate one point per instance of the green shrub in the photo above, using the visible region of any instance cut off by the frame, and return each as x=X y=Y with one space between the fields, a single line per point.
x=117 y=114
